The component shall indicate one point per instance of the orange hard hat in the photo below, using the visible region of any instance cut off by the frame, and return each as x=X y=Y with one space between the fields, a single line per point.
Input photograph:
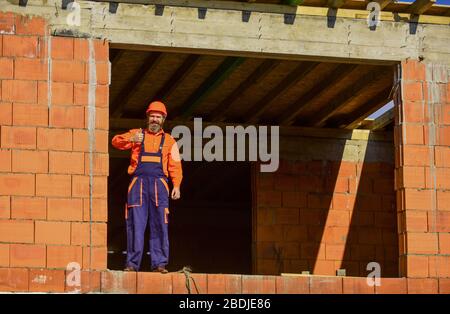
x=157 y=106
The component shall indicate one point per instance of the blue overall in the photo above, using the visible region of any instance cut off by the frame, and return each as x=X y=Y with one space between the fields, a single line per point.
x=148 y=202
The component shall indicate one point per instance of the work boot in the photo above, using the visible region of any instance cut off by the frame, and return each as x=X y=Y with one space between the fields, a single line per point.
x=129 y=268
x=160 y=269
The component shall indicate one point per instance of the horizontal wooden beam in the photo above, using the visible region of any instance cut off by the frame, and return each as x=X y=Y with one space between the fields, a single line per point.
x=382 y=121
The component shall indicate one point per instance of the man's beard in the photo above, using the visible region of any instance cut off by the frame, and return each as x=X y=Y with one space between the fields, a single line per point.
x=154 y=127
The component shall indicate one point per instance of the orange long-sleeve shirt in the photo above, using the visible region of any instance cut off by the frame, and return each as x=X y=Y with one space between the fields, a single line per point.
x=170 y=153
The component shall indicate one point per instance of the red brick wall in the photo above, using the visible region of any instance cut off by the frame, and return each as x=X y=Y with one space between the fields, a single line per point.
x=320 y=216
x=45 y=211
x=423 y=169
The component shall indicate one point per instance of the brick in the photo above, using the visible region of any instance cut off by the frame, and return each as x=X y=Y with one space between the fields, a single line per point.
x=294 y=233
x=312 y=251
x=411 y=177
x=81 y=49
x=80 y=140
x=443 y=136
x=102 y=72
x=392 y=286
x=100 y=164
x=319 y=201
x=5 y=207
x=82 y=233
x=66 y=162
x=98 y=260
x=443 y=178
x=444 y=285
x=334 y=251
x=413 y=70
x=61 y=256
x=17 y=184
x=294 y=199
x=68 y=71
x=439 y=266
x=18 y=137
x=45 y=280
x=102 y=96
x=16 y=231
x=42 y=93
x=90 y=282
x=29 y=161
x=5 y=113
x=54 y=139
x=67 y=116
x=343 y=201
x=443 y=200
x=252 y=284
x=19 y=91
x=20 y=46
x=438 y=221
x=269 y=199
x=224 y=284
x=102 y=142
x=26 y=25
x=325 y=285
x=415 y=112
x=66 y=209
x=62 y=48
x=62 y=93
x=30 y=115
x=385 y=220
x=292 y=285
x=414 y=155
x=267 y=266
x=80 y=186
x=5 y=160
x=287 y=216
x=49 y=232
x=154 y=283
x=80 y=94
x=119 y=282
x=179 y=283
x=101 y=118
x=357 y=286
x=335 y=235
x=28 y=207
x=31 y=69
x=422 y=286
x=269 y=233
x=417 y=266
x=7 y=23
x=6 y=68
x=413 y=91
x=53 y=185
x=4 y=255
x=418 y=199
x=14 y=279
x=101 y=48
x=337 y=218
x=444 y=243
x=326 y=268
x=27 y=255
x=99 y=210
x=421 y=243
x=415 y=220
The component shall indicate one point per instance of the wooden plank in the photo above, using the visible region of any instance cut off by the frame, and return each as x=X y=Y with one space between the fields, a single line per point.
x=127 y=92
x=294 y=110
x=257 y=75
x=290 y=80
x=365 y=110
x=420 y=6
x=383 y=120
x=346 y=96
x=209 y=85
x=335 y=4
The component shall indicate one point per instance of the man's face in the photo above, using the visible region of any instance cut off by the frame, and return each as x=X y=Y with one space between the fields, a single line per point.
x=155 y=121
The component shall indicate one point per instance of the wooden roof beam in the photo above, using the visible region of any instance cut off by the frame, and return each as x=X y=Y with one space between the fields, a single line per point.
x=257 y=75
x=289 y=80
x=345 y=97
x=316 y=91
x=384 y=120
x=134 y=83
x=420 y=6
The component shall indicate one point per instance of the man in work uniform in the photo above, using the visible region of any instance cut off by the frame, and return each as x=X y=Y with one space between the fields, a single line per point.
x=154 y=158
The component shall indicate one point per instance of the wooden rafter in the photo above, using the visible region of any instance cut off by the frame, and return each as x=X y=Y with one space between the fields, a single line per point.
x=209 y=85
x=316 y=91
x=177 y=77
x=384 y=120
x=420 y=6
x=346 y=96
x=134 y=83
x=290 y=80
x=372 y=105
x=258 y=74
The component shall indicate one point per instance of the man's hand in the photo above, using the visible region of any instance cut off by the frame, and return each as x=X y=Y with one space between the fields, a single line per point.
x=138 y=137
x=176 y=193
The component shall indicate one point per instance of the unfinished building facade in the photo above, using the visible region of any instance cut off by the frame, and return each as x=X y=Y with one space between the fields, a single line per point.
x=350 y=195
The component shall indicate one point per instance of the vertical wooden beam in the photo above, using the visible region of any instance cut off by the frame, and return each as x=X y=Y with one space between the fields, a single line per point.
x=420 y=6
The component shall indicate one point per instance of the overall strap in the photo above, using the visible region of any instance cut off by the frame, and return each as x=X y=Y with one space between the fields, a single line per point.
x=163 y=137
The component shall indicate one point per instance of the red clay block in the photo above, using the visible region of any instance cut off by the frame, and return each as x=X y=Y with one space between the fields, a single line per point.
x=44 y=280
x=18 y=137
x=70 y=209
x=29 y=161
x=154 y=283
x=30 y=115
x=325 y=285
x=258 y=284
x=357 y=286
x=197 y=283
x=49 y=232
x=28 y=207
x=53 y=185
x=422 y=286
x=27 y=255
x=292 y=285
x=20 y=46
x=66 y=162
x=62 y=48
x=54 y=139
x=118 y=282
x=14 y=279
x=31 y=69
x=59 y=256
x=224 y=284
x=17 y=184
x=392 y=286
